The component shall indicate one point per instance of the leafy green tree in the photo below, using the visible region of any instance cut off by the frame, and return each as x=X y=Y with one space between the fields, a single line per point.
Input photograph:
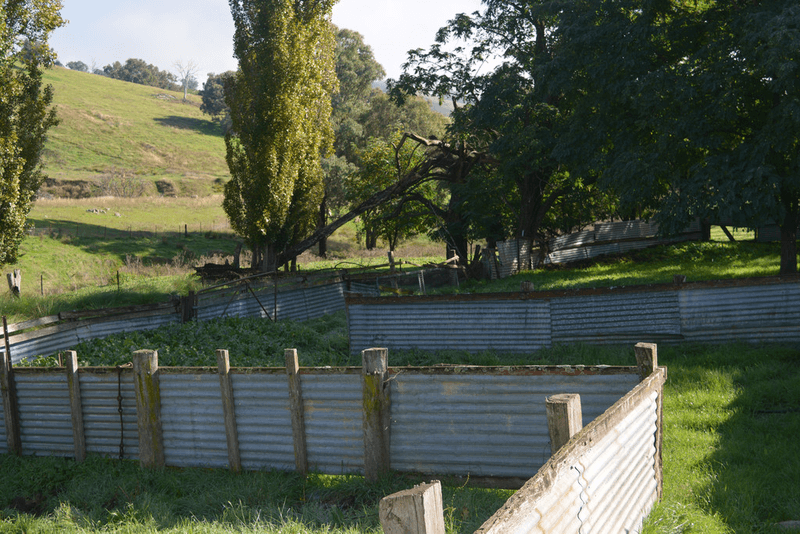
x=138 y=71
x=78 y=65
x=280 y=102
x=25 y=112
x=508 y=114
x=688 y=109
x=213 y=99
x=382 y=164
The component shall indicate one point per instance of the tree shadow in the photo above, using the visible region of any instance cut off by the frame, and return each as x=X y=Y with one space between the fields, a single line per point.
x=203 y=126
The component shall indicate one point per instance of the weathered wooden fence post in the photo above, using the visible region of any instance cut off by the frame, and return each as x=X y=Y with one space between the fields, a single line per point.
x=376 y=403
x=15 y=282
x=564 y=418
x=75 y=404
x=646 y=358
x=9 y=394
x=228 y=410
x=188 y=304
x=148 y=408
x=414 y=511
x=297 y=411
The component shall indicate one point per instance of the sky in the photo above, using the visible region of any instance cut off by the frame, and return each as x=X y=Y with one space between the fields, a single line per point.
x=163 y=32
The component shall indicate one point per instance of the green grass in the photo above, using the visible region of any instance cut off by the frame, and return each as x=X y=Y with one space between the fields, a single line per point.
x=118 y=496
x=731 y=456
x=110 y=124
x=712 y=260
x=731 y=453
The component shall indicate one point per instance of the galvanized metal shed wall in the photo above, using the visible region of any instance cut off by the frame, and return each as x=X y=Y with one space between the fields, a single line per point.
x=103 y=429
x=721 y=311
x=486 y=425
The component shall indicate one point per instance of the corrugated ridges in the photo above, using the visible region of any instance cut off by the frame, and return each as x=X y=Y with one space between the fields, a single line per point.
x=101 y=421
x=263 y=421
x=438 y=427
x=334 y=422
x=193 y=425
x=760 y=313
x=504 y=326
x=621 y=318
x=44 y=414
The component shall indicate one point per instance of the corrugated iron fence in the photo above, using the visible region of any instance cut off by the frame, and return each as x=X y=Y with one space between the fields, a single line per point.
x=460 y=420
x=765 y=310
x=297 y=299
x=515 y=255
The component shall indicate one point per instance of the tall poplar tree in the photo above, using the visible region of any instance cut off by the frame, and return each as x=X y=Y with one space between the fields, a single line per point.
x=25 y=112
x=280 y=102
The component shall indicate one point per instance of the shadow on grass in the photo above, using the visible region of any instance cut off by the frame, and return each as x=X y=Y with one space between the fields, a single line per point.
x=757 y=462
x=203 y=126
x=151 y=247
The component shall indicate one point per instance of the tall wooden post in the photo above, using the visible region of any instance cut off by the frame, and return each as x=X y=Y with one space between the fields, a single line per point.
x=376 y=403
x=646 y=358
x=564 y=419
x=148 y=408
x=297 y=411
x=9 y=394
x=75 y=404
x=228 y=410
x=419 y=510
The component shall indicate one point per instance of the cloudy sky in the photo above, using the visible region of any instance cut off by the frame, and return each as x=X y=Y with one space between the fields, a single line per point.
x=162 y=32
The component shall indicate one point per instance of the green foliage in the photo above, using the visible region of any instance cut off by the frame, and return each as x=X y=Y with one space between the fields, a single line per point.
x=280 y=102
x=213 y=95
x=25 y=113
x=141 y=72
x=382 y=164
x=688 y=109
x=80 y=66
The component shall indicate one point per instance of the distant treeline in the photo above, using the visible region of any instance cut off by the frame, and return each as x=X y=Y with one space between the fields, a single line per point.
x=136 y=71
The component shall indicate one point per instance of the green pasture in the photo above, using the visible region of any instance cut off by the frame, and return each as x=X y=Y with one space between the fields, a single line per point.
x=109 y=124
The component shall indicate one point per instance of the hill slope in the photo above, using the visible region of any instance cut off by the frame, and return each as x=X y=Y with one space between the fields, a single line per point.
x=111 y=126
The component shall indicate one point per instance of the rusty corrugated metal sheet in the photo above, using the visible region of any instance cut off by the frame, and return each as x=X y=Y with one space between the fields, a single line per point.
x=334 y=422
x=263 y=420
x=504 y=417
x=503 y=326
x=192 y=422
x=767 y=313
x=44 y=414
x=103 y=430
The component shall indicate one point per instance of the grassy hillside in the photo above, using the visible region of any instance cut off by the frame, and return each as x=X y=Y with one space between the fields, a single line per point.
x=109 y=125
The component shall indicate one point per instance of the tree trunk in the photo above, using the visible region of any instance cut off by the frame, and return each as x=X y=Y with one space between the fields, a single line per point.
x=789 y=238
x=322 y=220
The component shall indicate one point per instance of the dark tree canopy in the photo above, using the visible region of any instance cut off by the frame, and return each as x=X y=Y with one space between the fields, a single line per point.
x=687 y=109
x=78 y=65
x=138 y=71
x=25 y=112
